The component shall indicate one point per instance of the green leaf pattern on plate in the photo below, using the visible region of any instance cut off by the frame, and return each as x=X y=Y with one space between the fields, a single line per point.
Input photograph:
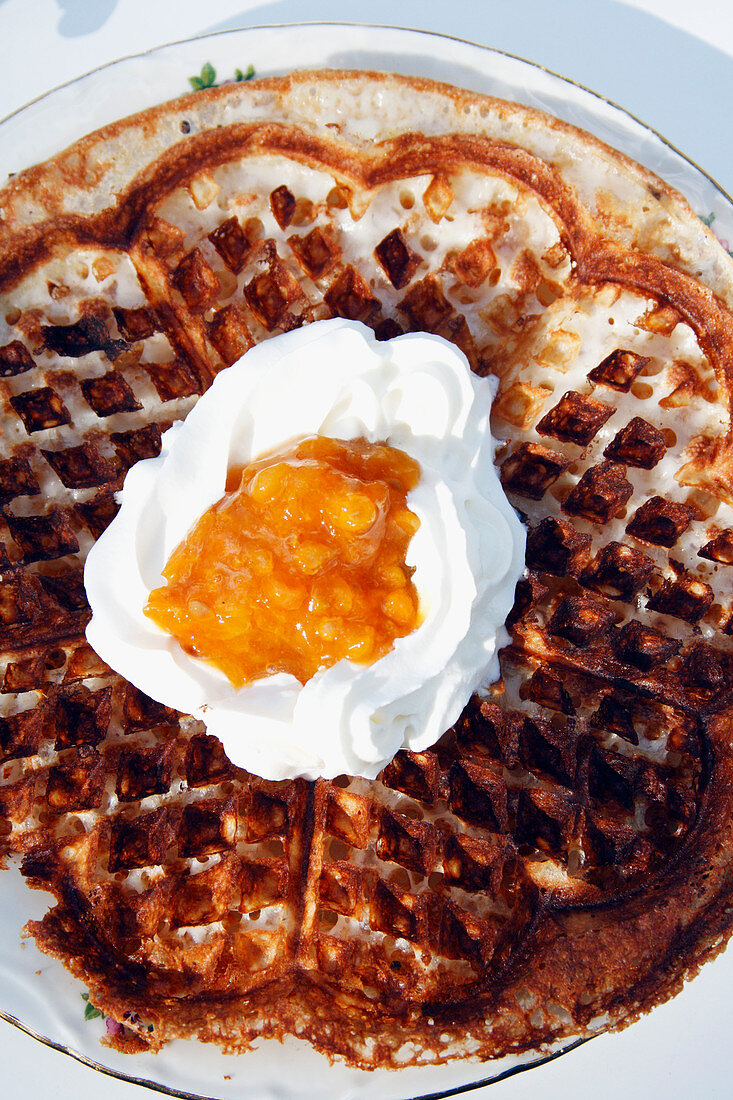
x=90 y=1012
x=207 y=77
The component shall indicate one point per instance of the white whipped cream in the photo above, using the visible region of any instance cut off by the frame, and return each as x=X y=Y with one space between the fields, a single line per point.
x=332 y=378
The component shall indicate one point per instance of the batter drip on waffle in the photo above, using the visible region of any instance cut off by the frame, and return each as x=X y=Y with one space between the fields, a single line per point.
x=560 y=860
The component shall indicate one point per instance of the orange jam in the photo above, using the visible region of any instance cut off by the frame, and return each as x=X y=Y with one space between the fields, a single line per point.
x=301 y=563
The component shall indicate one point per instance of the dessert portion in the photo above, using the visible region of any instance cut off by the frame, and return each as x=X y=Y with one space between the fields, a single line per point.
x=559 y=860
x=465 y=544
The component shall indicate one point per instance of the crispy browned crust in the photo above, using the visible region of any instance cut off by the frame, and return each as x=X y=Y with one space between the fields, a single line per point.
x=560 y=861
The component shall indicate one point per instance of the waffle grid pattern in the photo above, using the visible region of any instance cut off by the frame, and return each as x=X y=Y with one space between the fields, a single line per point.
x=574 y=783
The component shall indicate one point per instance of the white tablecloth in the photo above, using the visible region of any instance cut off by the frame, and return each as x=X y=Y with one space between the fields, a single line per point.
x=677 y=76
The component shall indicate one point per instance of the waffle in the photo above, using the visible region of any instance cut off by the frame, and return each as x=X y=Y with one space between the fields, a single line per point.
x=560 y=861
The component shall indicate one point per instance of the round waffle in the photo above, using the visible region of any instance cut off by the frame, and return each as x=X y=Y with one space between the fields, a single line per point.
x=560 y=860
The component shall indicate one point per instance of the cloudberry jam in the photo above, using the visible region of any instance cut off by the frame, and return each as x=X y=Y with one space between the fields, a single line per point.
x=300 y=564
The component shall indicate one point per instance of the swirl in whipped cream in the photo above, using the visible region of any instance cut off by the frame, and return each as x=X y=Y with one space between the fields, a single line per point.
x=415 y=392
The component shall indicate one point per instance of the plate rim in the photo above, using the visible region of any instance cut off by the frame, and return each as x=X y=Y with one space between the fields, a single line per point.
x=169 y=1090
x=358 y=24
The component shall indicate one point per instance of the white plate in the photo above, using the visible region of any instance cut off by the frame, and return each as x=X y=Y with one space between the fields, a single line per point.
x=36 y=993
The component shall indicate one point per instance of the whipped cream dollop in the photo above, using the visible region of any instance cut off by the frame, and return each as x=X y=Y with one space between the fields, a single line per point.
x=333 y=378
